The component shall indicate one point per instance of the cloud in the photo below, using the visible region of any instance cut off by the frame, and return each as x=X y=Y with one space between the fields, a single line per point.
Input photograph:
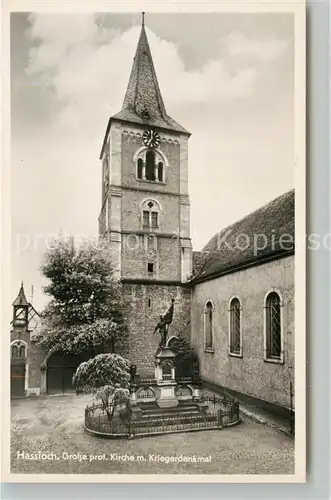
x=242 y=129
x=88 y=67
x=266 y=50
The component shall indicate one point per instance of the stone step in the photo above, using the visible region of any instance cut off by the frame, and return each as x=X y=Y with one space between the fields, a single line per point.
x=181 y=405
x=152 y=411
x=164 y=414
x=175 y=420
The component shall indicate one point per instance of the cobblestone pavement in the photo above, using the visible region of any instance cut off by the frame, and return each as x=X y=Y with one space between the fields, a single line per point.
x=52 y=427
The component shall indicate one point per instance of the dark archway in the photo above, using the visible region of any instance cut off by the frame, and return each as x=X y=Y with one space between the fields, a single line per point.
x=60 y=370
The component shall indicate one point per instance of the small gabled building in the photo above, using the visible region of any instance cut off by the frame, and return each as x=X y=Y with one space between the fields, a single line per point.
x=25 y=355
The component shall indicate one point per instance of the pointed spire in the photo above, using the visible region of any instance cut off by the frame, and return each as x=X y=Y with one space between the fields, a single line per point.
x=143 y=103
x=143 y=95
x=21 y=298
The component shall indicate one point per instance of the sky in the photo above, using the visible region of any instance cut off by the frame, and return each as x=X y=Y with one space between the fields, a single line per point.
x=227 y=78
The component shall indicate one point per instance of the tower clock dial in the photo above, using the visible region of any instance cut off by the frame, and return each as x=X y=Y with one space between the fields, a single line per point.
x=151 y=138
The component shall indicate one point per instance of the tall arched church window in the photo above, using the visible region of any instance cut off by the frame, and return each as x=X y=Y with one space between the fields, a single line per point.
x=209 y=337
x=273 y=327
x=235 y=327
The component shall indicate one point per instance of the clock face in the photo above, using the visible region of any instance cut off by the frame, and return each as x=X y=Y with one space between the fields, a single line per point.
x=151 y=138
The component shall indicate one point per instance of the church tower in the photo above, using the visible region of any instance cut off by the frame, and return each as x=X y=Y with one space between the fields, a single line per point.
x=145 y=212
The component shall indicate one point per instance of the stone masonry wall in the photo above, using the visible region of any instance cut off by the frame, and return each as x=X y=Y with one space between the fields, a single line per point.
x=147 y=303
x=250 y=374
x=131 y=210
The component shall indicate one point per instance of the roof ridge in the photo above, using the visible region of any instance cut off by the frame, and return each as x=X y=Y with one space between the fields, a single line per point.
x=256 y=211
x=226 y=250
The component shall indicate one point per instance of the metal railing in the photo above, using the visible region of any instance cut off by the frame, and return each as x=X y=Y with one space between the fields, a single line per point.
x=207 y=412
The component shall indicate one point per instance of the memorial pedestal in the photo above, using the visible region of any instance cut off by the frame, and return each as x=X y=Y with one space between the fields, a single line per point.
x=166 y=378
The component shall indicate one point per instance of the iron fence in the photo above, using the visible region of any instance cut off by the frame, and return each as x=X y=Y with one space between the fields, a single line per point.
x=145 y=419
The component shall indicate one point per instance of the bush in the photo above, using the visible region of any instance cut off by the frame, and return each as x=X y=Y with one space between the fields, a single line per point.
x=107 y=377
x=186 y=359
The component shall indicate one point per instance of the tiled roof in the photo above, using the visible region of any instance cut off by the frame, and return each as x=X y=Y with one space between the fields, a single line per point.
x=21 y=298
x=240 y=245
x=143 y=103
x=197 y=261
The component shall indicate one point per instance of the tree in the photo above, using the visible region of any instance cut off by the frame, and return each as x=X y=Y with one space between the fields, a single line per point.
x=107 y=377
x=85 y=312
x=186 y=359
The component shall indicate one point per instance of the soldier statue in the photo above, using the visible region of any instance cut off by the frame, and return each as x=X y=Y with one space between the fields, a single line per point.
x=163 y=324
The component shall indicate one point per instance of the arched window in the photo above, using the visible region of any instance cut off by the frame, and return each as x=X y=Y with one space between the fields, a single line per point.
x=18 y=350
x=235 y=337
x=150 y=214
x=150 y=165
x=209 y=344
x=140 y=166
x=273 y=327
x=21 y=351
x=160 y=171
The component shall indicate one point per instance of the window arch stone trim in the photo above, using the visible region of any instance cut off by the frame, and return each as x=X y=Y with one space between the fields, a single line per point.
x=156 y=209
x=18 y=343
x=139 y=151
x=160 y=165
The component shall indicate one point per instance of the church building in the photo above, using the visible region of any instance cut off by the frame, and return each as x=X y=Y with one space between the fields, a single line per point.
x=233 y=302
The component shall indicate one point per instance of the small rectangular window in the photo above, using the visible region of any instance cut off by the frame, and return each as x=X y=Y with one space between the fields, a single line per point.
x=150 y=268
x=155 y=219
x=146 y=218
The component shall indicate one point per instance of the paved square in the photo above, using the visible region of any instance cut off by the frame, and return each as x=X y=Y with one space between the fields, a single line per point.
x=52 y=427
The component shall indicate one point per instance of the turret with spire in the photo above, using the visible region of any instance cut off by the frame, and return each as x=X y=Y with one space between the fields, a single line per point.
x=21 y=309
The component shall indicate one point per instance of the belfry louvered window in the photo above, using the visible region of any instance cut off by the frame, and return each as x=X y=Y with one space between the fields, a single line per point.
x=160 y=171
x=273 y=326
x=235 y=326
x=150 y=165
x=140 y=168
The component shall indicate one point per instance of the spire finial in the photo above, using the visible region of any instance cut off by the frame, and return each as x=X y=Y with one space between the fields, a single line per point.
x=143 y=19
